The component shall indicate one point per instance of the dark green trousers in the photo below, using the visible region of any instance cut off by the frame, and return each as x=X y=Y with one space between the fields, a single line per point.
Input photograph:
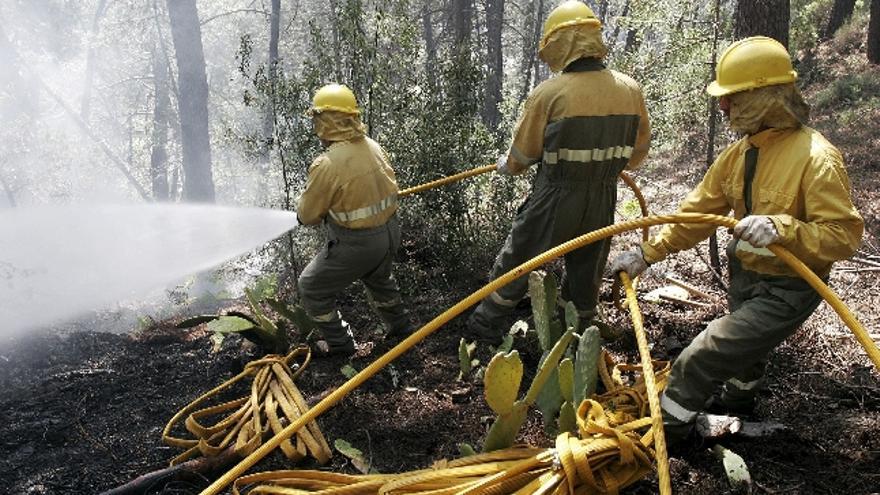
x=732 y=351
x=556 y=211
x=351 y=255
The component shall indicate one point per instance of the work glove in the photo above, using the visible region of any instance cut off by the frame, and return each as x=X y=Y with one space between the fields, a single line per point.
x=757 y=230
x=501 y=165
x=632 y=262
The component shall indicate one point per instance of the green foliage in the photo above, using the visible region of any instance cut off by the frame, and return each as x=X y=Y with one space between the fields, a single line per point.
x=256 y=326
x=348 y=371
x=847 y=90
x=808 y=19
x=670 y=60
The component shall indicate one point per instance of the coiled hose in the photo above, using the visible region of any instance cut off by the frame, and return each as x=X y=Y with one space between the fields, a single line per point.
x=798 y=266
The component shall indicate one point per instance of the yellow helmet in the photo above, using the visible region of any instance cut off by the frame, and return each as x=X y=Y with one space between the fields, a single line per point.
x=570 y=13
x=751 y=63
x=335 y=97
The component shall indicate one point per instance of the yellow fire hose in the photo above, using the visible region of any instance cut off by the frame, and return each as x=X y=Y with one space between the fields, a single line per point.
x=447 y=180
x=846 y=315
x=607 y=455
x=653 y=395
x=273 y=398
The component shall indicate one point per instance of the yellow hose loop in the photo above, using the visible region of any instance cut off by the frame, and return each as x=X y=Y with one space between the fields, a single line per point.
x=650 y=383
x=273 y=400
x=523 y=269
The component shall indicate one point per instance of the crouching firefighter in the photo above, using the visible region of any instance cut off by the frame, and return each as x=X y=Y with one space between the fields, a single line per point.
x=787 y=185
x=351 y=189
x=581 y=128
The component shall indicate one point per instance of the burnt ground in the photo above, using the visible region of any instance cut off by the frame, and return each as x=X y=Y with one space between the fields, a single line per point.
x=83 y=412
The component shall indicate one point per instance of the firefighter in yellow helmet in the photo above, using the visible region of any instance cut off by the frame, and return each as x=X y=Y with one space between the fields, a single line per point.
x=787 y=185
x=580 y=128
x=352 y=190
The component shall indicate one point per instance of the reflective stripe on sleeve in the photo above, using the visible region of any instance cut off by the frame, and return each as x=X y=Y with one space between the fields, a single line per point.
x=587 y=156
x=366 y=211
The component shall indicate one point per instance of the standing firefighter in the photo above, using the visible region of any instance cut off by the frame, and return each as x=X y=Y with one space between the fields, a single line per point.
x=582 y=128
x=353 y=191
x=788 y=186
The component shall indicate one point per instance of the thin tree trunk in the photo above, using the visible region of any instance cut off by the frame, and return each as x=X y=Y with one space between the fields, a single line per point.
x=269 y=116
x=159 y=152
x=623 y=13
x=601 y=10
x=430 y=44
x=494 y=63
x=462 y=26
x=714 y=258
x=530 y=47
x=86 y=103
x=874 y=33
x=840 y=12
x=198 y=184
x=763 y=17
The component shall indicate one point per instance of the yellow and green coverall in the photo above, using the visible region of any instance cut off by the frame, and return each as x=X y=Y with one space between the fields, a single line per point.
x=799 y=182
x=581 y=128
x=352 y=189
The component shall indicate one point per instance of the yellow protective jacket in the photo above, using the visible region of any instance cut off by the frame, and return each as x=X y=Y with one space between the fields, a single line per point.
x=586 y=116
x=800 y=182
x=353 y=183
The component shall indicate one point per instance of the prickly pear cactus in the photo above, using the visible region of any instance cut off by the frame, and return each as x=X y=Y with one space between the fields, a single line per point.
x=502 y=380
x=567 y=416
x=542 y=291
x=586 y=371
x=466 y=362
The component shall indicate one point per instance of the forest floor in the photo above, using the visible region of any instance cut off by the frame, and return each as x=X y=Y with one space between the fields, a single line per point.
x=83 y=412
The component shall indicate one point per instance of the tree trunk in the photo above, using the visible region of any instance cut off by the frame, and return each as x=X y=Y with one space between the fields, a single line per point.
x=198 y=181
x=840 y=12
x=462 y=26
x=623 y=13
x=762 y=17
x=874 y=33
x=86 y=103
x=494 y=63
x=542 y=70
x=532 y=26
x=601 y=10
x=269 y=117
x=430 y=44
x=159 y=153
